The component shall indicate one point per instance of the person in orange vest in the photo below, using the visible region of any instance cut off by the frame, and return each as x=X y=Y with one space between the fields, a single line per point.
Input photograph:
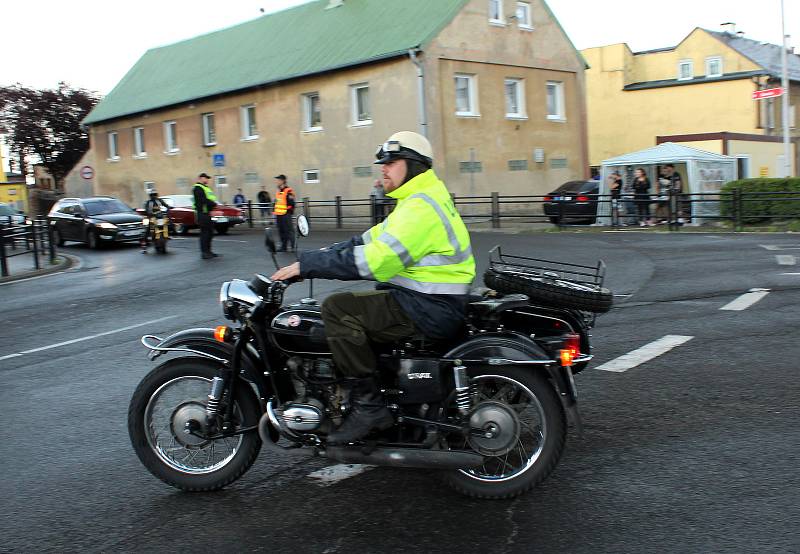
x=283 y=210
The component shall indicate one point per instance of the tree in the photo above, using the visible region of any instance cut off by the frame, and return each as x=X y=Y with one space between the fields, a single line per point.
x=47 y=123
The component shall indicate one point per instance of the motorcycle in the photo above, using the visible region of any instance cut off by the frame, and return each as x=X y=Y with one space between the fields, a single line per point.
x=159 y=229
x=490 y=408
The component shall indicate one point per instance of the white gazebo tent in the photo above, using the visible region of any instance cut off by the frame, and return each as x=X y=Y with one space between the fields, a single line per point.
x=702 y=172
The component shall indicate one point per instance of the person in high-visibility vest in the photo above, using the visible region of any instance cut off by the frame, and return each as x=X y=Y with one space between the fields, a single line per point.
x=421 y=257
x=204 y=201
x=283 y=210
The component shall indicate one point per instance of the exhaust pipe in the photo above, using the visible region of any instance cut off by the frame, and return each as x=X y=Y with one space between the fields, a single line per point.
x=404 y=457
x=269 y=430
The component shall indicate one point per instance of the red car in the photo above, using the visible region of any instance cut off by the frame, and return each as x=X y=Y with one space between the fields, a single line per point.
x=181 y=214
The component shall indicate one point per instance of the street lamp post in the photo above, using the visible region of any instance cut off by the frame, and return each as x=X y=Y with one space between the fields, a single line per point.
x=787 y=158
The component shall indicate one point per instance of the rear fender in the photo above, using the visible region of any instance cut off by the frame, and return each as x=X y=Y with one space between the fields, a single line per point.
x=202 y=340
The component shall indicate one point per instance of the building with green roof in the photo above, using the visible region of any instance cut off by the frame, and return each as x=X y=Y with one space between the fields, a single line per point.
x=310 y=92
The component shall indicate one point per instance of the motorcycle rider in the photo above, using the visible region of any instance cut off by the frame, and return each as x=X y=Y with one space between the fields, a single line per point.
x=151 y=206
x=422 y=260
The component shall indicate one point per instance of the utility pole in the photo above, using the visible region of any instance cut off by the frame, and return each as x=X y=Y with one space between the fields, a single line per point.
x=787 y=150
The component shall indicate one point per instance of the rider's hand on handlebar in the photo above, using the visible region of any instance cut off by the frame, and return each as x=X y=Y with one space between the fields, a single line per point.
x=290 y=272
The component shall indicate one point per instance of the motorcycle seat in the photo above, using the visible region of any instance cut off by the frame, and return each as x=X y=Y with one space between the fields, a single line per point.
x=490 y=307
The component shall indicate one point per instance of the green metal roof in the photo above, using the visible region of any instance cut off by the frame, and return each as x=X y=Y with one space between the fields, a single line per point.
x=303 y=40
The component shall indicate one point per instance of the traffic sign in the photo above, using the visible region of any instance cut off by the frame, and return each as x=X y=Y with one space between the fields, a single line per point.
x=87 y=172
x=767 y=93
x=219 y=160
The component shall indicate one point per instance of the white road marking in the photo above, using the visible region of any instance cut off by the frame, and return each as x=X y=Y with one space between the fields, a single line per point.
x=746 y=300
x=790 y=273
x=73 y=341
x=786 y=259
x=645 y=353
x=777 y=247
x=332 y=474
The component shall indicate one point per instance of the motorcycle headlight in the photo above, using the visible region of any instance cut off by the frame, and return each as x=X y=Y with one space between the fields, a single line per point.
x=145 y=221
x=106 y=225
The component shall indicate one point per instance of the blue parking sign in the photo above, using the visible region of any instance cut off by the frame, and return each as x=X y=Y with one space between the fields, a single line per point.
x=219 y=160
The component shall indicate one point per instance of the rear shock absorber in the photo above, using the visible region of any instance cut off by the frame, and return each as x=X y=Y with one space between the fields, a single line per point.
x=214 y=397
x=463 y=397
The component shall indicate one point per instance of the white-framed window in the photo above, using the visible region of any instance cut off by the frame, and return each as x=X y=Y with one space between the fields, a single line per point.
x=312 y=114
x=524 y=20
x=496 y=12
x=248 y=118
x=555 y=101
x=209 y=130
x=311 y=176
x=359 y=102
x=138 y=143
x=113 y=145
x=685 y=70
x=515 y=99
x=171 y=137
x=466 y=94
x=714 y=66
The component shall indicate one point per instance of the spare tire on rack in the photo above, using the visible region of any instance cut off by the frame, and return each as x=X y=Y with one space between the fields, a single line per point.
x=550 y=290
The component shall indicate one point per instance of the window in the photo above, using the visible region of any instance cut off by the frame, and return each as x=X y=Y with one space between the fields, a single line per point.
x=171 y=137
x=524 y=15
x=714 y=67
x=496 y=12
x=685 y=70
x=743 y=166
x=311 y=112
x=515 y=99
x=249 y=128
x=311 y=176
x=138 y=143
x=466 y=95
x=209 y=130
x=555 y=100
x=113 y=146
x=360 y=105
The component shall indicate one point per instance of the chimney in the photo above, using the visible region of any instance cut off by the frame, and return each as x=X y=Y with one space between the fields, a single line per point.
x=729 y=27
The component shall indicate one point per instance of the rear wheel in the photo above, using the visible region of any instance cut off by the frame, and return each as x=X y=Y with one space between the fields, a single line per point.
x=174 y=394
x=181 y=229
x=528 y=428
x=222 y=229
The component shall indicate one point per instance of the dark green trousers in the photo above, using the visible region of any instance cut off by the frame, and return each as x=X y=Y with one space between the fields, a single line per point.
x=354 y=319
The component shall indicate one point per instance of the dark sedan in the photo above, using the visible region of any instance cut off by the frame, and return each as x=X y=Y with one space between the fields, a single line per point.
x=573 y=202
x=95 y=221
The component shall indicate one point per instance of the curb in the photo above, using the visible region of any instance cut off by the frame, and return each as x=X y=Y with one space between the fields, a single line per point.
x=65 y=261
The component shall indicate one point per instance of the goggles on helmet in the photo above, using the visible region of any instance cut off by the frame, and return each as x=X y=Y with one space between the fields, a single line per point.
x=393 y=150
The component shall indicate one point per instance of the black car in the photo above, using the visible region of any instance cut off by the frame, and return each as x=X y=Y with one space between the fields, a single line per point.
x=95 y=221
x=573 y=202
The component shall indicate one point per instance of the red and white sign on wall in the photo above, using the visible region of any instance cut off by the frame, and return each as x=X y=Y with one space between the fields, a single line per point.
x=767 y=93
x=87 y=172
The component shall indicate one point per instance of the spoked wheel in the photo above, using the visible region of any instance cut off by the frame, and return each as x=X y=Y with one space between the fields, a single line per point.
x=524 y=431
x=173 y=398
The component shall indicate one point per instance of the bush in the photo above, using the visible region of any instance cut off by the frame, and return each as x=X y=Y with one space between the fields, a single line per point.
x=758 y=205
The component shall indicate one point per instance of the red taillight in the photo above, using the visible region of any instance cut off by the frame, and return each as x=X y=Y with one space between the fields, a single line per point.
x=583 y=199
x=548 y=198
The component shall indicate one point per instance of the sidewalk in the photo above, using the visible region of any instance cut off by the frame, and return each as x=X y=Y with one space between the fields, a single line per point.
x=22 y=267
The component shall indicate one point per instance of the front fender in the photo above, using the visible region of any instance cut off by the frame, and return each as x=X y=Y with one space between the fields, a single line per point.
x=202 y=339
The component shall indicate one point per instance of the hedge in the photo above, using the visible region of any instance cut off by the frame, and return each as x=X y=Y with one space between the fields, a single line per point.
x=762 y=207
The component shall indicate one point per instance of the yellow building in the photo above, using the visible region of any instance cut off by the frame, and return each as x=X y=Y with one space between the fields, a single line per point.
x=13 y=190
x=704 y=85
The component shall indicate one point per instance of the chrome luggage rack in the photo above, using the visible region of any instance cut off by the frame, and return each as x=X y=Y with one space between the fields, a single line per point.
x=547 y=269
x=156 y=350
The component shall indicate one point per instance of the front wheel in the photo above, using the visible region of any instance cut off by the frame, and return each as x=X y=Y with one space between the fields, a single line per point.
x=526 y=430
x=161 y=245
x=174 y=394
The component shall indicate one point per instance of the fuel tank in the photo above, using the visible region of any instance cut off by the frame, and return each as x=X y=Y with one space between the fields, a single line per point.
x=299 y=329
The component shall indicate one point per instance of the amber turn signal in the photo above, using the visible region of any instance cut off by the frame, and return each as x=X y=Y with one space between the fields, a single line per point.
x=222 y=333
x=566 y=356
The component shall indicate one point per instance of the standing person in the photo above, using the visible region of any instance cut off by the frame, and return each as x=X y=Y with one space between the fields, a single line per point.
x=283 y=210
x=239 y=199
x=263 y=200
x=151 y=206
x=641 y=189
x=422 y=260
x=615 y=188
x=204 y=201
x=378 y=199
x=676 y=187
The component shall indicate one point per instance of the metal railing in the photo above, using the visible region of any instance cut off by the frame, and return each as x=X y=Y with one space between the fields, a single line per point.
x=25 y=239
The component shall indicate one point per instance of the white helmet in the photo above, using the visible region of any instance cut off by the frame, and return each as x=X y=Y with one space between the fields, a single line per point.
x=405 y=145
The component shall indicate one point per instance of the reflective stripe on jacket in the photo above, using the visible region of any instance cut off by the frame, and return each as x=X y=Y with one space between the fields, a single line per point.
x=281 y=202
x=423 y=245
x=209 y=196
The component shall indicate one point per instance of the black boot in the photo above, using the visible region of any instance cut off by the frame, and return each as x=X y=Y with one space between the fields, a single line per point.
x=368 y=413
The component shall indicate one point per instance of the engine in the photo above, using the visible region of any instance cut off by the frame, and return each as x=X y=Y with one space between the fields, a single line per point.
x=318 y=398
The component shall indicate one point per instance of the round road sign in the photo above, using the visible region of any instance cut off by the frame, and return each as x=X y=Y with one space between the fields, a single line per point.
x=87 y=172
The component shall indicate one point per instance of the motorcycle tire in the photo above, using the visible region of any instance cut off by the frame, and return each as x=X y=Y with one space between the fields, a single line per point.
x=161 y=245
x=473 y=483
x=549 y=291
x=173 y=473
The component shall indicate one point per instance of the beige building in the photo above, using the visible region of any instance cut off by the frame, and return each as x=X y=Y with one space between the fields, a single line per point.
x=311 y=91
x=704 y=85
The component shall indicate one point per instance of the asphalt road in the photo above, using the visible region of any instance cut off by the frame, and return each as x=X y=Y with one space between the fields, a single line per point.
x=694 y=450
